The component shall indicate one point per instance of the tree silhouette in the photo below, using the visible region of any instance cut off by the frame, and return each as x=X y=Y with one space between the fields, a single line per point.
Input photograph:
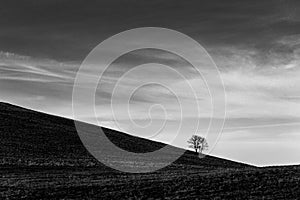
x=198 y=143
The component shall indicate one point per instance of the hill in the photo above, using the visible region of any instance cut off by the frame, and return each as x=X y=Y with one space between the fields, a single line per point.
x=41 y=156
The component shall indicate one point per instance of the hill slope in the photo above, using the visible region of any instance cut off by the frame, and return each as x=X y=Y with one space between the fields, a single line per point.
x=42 y=139
x=41 y=156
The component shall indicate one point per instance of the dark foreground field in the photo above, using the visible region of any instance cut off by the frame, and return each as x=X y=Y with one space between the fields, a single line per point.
x=41 y=157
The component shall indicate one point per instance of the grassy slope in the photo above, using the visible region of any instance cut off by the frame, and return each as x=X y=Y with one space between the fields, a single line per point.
x=41 y=156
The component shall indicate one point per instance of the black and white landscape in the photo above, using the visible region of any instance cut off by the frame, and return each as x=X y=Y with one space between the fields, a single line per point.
x=213 y=83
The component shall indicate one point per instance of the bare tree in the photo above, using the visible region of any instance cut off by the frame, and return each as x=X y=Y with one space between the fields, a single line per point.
x=198 y=143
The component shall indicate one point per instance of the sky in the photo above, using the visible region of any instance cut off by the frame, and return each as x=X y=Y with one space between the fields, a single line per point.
x=255 y=45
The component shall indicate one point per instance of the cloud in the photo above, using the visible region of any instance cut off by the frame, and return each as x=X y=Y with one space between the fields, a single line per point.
x=255 y=46
x=31 y=28
x=40 y=84
x=261 y=145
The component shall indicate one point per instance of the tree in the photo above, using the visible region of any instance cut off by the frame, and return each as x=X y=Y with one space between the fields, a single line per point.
x=198 y=143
